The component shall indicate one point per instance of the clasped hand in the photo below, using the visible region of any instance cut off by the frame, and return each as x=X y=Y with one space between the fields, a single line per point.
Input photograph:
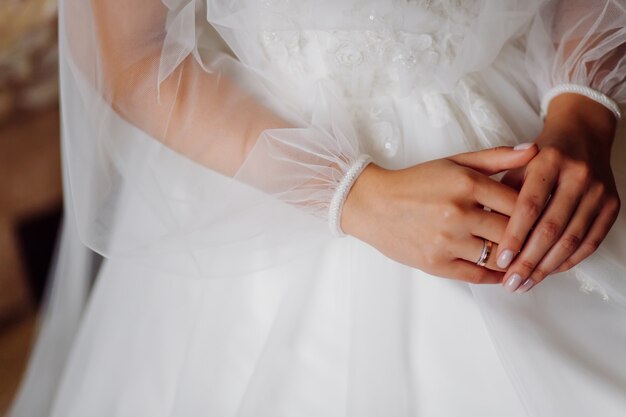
x=552 y=209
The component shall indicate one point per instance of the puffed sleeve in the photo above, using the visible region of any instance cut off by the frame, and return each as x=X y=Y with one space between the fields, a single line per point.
x=174 y=147
x=579 y=42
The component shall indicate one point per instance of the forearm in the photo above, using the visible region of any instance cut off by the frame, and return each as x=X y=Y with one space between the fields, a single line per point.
x=181 y=109
x=191 y=105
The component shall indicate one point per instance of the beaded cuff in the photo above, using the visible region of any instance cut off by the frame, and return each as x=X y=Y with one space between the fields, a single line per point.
x=588 y=92
x=339 y=197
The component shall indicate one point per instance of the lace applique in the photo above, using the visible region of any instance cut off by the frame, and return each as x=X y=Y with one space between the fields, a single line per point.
x=373 y=37
x=387 y=60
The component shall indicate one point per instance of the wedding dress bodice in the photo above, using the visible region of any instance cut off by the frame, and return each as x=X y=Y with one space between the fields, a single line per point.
x=368 y=55
x=373 y=52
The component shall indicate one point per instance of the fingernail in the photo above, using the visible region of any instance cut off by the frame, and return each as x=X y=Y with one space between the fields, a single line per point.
x=526 y=286
x=523 y=146
x=513 y=282
x=505 y=259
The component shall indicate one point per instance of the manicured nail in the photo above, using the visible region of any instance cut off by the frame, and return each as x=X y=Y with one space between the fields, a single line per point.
x=505 y=259
x=513 y=282
x=526 y=286
x=523 y=146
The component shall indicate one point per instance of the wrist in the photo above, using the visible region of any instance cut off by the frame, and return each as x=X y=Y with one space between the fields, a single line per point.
x=361 y=201
x=576 y=114
x=340 y=195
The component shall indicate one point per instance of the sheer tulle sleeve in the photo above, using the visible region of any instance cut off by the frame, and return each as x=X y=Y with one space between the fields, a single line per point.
x=581 y=42
x=177 y=152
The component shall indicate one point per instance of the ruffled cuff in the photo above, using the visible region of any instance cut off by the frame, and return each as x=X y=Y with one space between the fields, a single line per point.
x=308 y=168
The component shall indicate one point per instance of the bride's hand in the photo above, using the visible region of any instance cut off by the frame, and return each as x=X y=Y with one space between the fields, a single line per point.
x=431 y=216
x=568 y=199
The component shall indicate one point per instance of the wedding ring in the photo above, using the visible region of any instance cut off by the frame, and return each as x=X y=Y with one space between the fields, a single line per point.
x=484 y=255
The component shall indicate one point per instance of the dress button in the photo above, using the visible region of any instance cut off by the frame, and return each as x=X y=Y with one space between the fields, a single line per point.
x=383 y=135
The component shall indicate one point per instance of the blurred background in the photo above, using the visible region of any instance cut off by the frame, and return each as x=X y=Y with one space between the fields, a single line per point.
x=30 y=178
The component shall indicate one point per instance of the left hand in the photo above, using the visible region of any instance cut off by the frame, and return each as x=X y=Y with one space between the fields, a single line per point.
x=568 y=200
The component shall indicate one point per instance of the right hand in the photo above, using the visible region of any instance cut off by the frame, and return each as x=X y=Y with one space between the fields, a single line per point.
x=431 y=216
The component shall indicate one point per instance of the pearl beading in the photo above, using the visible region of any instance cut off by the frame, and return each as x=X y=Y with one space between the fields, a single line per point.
x=588 y=92
x=339 y=197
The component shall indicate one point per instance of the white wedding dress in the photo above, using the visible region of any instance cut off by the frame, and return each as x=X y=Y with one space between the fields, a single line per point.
x=222 y=291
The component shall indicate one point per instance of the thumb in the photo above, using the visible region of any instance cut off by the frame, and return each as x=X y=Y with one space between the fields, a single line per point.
x=498 y=159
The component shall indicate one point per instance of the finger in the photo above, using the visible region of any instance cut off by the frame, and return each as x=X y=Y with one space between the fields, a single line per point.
x=545 y=234
x=469 y=272
x=488 y=224
x=598 y=231
x=498 y=159
x=531 y=201
x=571 y=238
x=514 y=179
x=495 y=195
x=471 y=250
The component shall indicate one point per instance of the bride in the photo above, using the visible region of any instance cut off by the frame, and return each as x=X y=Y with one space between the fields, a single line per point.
x=278 y=187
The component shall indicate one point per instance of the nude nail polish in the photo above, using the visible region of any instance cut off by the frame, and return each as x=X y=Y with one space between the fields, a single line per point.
x=523 y=146
x=505 y=258
x=526 y=286
x=513 y=282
